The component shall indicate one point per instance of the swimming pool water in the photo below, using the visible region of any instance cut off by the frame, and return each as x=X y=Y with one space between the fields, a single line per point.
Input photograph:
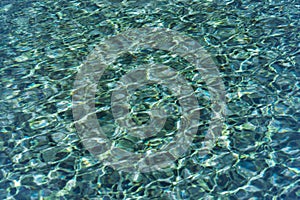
x=255 y=47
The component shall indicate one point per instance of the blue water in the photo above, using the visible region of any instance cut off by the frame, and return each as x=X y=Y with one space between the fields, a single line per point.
x=255 y=47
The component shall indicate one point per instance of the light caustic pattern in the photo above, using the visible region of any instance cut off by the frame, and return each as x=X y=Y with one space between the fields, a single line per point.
x=85 y=87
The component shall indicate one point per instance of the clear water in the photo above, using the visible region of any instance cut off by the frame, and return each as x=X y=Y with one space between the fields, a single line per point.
x=255 y=47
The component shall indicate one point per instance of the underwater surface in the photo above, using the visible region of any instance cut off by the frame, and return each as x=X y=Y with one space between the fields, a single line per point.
x=47 y=46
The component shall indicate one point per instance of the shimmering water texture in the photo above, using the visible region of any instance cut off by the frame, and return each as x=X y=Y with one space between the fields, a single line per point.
x=255 y=48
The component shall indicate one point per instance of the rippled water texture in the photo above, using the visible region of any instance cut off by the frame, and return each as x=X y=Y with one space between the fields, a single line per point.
x=255 y=46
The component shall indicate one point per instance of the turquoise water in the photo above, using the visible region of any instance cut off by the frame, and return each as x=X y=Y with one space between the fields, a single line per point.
x=255 y=47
